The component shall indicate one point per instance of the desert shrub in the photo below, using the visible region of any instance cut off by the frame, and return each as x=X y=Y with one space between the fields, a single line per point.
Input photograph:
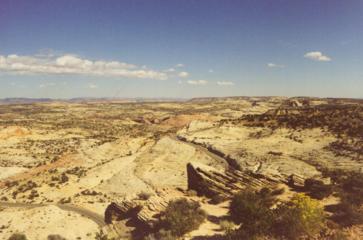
x=55 y=237
x=347 y=214
x=317 y=189
x=248 y=207
x=338 y=235
x=182 y=216
x=352 y=187
x=17 y=236
x=335 y=175
x=63 y=178
x=252 y=210
x=161 y=235
x=226 y=226
x=349 y=187
x=302 y=216
x=101 y=235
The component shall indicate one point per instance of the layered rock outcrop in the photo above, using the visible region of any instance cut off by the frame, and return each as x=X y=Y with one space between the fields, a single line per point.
x=206 y=180
x=209 y=181
x=143 y=213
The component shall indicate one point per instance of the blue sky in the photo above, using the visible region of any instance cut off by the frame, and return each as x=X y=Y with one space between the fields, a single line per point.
x=184 y=48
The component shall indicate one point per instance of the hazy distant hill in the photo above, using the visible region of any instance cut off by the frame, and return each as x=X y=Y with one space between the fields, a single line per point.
x=85 y=99
x=24 y=100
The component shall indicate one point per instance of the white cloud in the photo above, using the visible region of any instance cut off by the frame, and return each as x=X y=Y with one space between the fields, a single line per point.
x=71 y=64
x=317 y=56
x=183 y=74
x=44 y=85
x=170 y=70
x=92 y=86
x=274 y=65
x=179 y=65
x=211 y=71
x=225 y=83
x=197 y=82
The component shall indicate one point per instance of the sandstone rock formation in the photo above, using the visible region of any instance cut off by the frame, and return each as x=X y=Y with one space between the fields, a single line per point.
x=143 y=213
x=206 y=180
x=209 y=181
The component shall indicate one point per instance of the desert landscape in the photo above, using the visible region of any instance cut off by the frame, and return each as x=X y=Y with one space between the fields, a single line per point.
x=181 y=120
x=113 y=166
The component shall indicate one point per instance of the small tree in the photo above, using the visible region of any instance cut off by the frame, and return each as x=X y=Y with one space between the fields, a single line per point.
x=182 y=216
x=302 y=216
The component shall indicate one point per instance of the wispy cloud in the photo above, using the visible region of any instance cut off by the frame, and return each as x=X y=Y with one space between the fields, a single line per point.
x=274 y=65
x=317 y=56
x=72 y=64
x=17 y=85
x=45 y=85
x=197 y=82
x=179 y=65
x=183 y=74
x=211 y=71
x=170 y=70
x=92 y=86
x=225 y=83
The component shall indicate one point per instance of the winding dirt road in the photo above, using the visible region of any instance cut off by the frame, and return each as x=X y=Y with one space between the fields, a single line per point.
x=201 y=148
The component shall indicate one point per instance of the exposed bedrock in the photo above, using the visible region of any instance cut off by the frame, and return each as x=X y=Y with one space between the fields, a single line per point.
x=209 y=181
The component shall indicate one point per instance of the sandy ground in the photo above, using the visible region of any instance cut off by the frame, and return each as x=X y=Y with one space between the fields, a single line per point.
x=165 y=164
x=215 y=214
x=282 y=151
x=6 y=172
x=39 y=222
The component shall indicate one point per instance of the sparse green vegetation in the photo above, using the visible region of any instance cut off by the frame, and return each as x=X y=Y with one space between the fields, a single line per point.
x=248 y=207
x=252 y=210
x=227 y=226
x=303 y=215
x=182 y=216
x=161 y=235
x=55 y=237
x=101 y=235
x=349 y=186
x=18 y=236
